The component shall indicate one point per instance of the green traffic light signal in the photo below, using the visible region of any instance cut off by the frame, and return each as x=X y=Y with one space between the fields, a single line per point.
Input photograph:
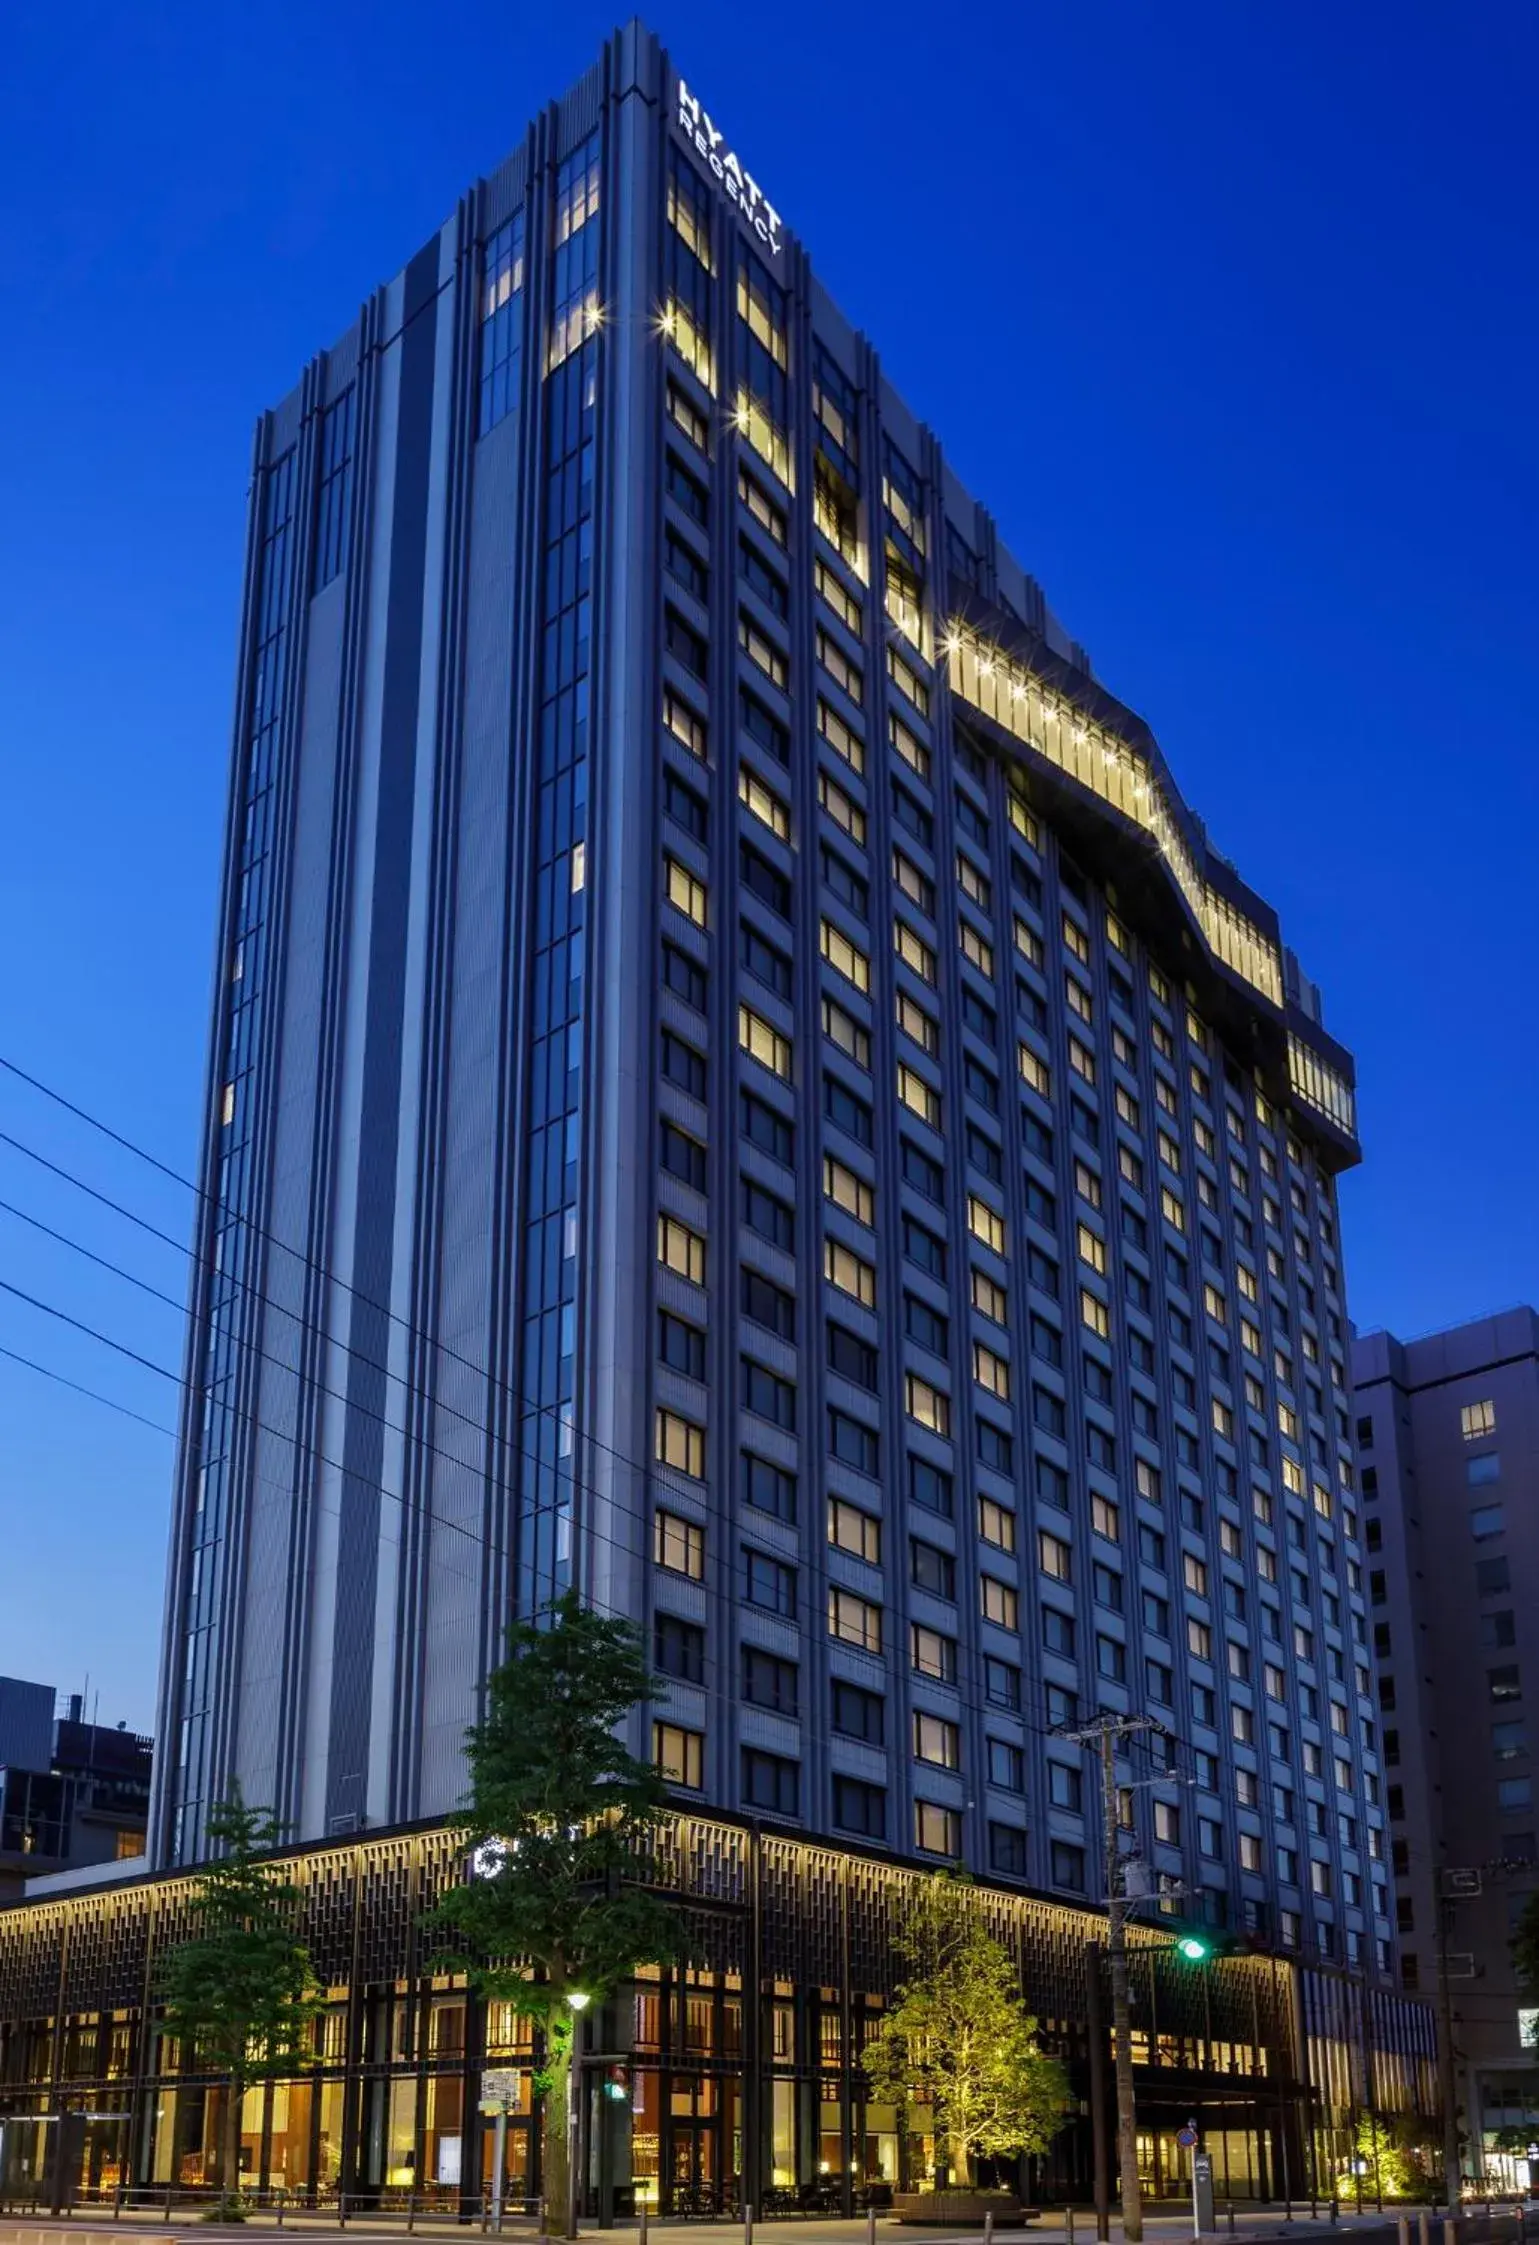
x=1194 y=1948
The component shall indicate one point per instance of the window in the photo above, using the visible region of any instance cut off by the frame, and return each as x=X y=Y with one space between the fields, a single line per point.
x=843 y=1268
x=937 y=1741
x=767 y=1395
x=770 y=1782
x=763 y=1128
x=937 y=1831
x=929 y=1487
x=761 y=651
x=768 y=1488
x=334 y=513
x=998 y=1602
x=854 y=1621
x=1486 y=1521
x=932 y=1654
x=501 y=322
x=1002 y=1686
x=856 y=1713
x=685 y=892
x=679 y=1755
x=860 y=1808
x=853 y=1444
x=766 y=1215
x=681 y=1249
x=683 y=1065
x=855 y=1531
x=678 y=1649
x=768 y=1583
x=763 y=1042
x=687 y=727
x=763 y=803
x=925 y=1404
x=1476 y=1420
x=680 y=1444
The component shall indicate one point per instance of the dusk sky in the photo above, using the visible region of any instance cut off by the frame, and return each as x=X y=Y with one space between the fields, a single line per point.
x=1230 y=315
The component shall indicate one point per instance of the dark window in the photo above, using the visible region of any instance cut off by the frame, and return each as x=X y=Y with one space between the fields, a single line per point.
x=854 y=1444
x=685 y=565
x=978 y=1016
x=681 y=1346
x=768 y=1304
x=851 y=1357
x=925 y=1325
x=1068 y=1866
x=1111 y=1659
x=687 y=491
x=1058 y=1631
x=683 y=1065
x=857 y=1713
x=1151 y=1547
x=929 y=1487
x=685 y=977
x=684 y=644
x=844 y=882
x=932 y=1570
x=1041 y=1269
x=760 y=578
x=845 y=1111
x=1065 y=1786
x=683 y=1156
x=769 y=1681
x=982 y=1152
x=336 y=499
x=1007 y=1766
x=1007 y=1850
x=1052 y=1483
x=769 y=1488
x=860 y=1808
x=923 y=1248
x=995 y=1447
x=1046 y=1341
x=762 y=880
x=761 y=725
x=770 y=1782
x=769 y=1217
x=768 y=1583
x=684 y=805
x=763 y=961
x=1035 y=1136
x=1001 y=1683
x=925 y=1175
x=678 y=1649
x=762 y=1127
x=766 y=1395
x=913 y=816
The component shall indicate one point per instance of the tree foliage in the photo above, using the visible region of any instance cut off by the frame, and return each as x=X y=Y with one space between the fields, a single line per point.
x=1397 y=2159
x=960 y=2038
x=567 y=1813
x=240 y=1991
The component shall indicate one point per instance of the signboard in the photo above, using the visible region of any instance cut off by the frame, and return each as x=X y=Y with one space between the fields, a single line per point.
x=1528 y=2034
x=1461 y=1882
x=739 y=186
x=499 y=2086
x=1187 y=2137
x=1459 y=1964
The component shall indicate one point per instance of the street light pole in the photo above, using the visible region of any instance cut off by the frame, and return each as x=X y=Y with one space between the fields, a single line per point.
x=578 y=1999
x=1105 y=1734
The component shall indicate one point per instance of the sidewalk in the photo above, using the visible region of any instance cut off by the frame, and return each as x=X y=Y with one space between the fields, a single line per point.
x=1168 y=2225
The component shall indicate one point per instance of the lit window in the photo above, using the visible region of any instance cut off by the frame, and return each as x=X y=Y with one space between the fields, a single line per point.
x=854 y=1621
x=1075 y=939
x=679 y=1755
x=845 y=812
x=680 y=1444
x=937 y=1831
x=927 y=1406
x=679 y=1545
x=841 y=737
x=681 y=1249
x=1094 y=1313
x=852 y=1530
x=998 y=1602
x=1092 y=1248
x=763 y=1043
x=916 y=1023
x=912 y=951
x=763 y=803
x=848 y=1191
x=844 y=957
x=1171 y=1209
x=1035 y=1071
x=996 y=1524
x=920 y=1098
x=843 y=1268
x=985 y=1223
x=1054 y=1557
x=1476 y=1420
x=991 y=1371
x=975 y=948
x=937 y=1741
x=685 y=892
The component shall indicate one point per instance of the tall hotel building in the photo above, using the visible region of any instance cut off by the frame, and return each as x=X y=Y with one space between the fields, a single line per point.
x=738 y=1084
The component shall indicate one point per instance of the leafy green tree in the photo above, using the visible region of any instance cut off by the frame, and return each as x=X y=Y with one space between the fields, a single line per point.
x=567 y=1815
x=1396 y=2157
x=960 y=2039
x=240 y=1992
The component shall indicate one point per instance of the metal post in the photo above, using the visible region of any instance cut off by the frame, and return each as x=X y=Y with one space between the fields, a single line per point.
x=747 y=2221
x=1423 y=2228
x=1450 y=2231
x=573 y=2074
x=988 y=2226
x=499 y=2165
x=1405 y=2229
x=1447 y=2087
x=1122 y=2022
x=1068 y=2225
x=642 y=2210
x=1095 y=2034
x=1231 y=2217
x=870 y=2225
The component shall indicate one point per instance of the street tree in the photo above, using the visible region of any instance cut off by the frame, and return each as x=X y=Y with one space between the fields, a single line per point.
x=239 y=1995
x=960 y=2038
x=562 y=1818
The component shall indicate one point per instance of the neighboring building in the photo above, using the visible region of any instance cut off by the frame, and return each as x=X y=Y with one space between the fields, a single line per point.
x=72 y=1793
x=1448 y=1432
x=738 y=1083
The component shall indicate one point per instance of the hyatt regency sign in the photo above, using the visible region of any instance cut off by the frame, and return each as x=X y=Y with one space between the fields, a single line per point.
x=737 y=185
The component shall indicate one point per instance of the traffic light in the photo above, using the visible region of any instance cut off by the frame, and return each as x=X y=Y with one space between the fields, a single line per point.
x=1194 y=1948
x=617 y=2083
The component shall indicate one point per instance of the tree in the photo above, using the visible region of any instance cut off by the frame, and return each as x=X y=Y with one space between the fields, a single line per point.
x=241 y=1992
x=566 y=1815
x=960 y=2038
x=1394 y=2157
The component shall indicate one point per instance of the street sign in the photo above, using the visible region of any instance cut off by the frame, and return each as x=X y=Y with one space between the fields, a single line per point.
x=499 y=2086
x=1459 y=1964
x=1461 y=1881
x=1186 y=2137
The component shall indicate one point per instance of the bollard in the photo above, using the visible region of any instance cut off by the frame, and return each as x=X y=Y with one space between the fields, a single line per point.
x=988 y=2226
x=747 y=2222
x=1450 y=2231
x=411 y=2212
x=1423 y=2228
x=1405 y=2229
x=1335 y=2207
x=643 y=2222
x=1231 y=2217
x=1068 y=2225
x=870 y=2225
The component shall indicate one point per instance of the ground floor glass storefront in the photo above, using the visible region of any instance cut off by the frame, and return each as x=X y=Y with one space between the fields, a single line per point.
x=735 y=2076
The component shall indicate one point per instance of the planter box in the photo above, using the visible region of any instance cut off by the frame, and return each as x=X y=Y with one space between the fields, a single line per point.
x=963 y=2209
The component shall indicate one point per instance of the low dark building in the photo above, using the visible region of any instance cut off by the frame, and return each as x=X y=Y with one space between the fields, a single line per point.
x=72 y=1793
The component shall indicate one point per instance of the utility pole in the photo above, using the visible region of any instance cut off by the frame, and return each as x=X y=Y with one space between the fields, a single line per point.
x=1449 y=1882
x=1104 y=1735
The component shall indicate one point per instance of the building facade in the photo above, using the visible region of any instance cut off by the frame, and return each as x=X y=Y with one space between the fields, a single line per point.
x=1448 y=1432
x=71 y=1792
x=721 y=2096
x=739 y=1084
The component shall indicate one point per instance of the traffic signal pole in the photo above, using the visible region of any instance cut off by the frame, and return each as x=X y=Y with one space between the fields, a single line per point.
x=1105 y=1735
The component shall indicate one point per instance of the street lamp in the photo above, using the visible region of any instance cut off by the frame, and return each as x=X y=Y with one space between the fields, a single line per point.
x=578 y=2000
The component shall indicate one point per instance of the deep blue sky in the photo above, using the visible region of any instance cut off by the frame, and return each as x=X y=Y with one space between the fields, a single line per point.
x=1230 y=315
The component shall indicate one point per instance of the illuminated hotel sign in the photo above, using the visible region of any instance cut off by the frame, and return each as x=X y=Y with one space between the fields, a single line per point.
x=737 y=185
